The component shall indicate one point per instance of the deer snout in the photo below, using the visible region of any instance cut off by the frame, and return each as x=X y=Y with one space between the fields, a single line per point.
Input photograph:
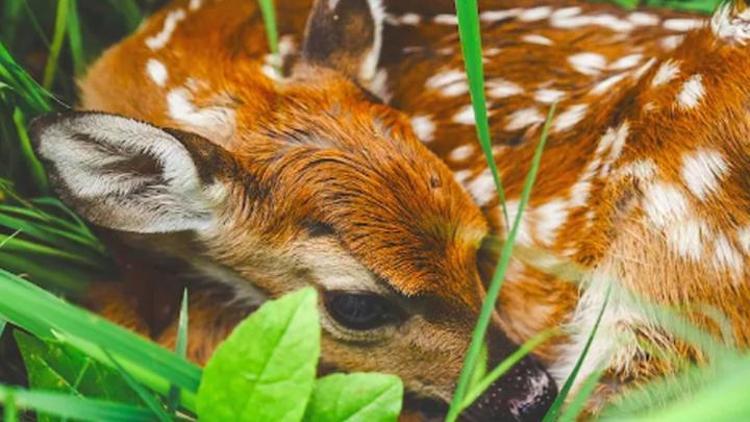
x=524 y=393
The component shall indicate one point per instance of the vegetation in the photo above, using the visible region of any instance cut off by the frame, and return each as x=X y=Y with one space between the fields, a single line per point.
x=80 y=366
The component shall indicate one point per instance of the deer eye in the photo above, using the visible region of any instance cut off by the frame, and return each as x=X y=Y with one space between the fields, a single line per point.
x=360 y=311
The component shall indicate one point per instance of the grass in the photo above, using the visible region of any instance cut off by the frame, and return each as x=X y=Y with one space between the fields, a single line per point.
x=42 y=240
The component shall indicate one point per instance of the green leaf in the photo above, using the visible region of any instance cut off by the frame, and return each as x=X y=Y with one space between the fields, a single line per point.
x=61 y=25
x=355 y=398
x=265 y=370
x=3 y=324
x=54 y=366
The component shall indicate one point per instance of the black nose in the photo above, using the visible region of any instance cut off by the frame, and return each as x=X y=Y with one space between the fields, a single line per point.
x=524 y=393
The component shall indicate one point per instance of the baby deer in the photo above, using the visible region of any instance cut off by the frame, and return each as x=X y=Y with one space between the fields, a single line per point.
x=349 y=163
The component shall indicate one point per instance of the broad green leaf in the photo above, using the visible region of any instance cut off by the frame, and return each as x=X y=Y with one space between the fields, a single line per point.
x=57 y=367
x=355 y=398
x=265 y=370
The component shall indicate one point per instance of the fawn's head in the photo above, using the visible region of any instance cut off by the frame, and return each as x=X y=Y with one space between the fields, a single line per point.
x=316 y=184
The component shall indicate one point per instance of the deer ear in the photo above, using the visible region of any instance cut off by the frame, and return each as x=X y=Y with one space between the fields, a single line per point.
x=127 y=175
x=345 y=35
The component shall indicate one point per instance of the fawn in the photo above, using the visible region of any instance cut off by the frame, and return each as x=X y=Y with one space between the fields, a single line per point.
x=348 y=162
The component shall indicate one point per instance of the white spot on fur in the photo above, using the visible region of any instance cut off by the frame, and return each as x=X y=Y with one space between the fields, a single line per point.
x=607 y=84
x=626 y=62
x=524 y=117
x=743 y=237
x=445 y=19
x=536 y=39
x=685 y=237
x=216 y=123
x=462 y=176
x=730 y=26
x=691 y=93
x=462 y=152
x=726 y=255
x=671 y=42
x=411 y=19
x=195 y=5
x=664 y=204
x=523 y=235
x=702 y=170
x=498 y=15
x=588 y=63
x=642 y=170
x=643 y=19
x=170 y=24
x=682 y=24
x=535 y=14
x=665 y=73
x=157 y=72
x=451 y=83
x=423 y=127
x=548 y=96
x=465 y=115
x=482 y=188
x=549 y=218
x=569 y=118
x=500 y=88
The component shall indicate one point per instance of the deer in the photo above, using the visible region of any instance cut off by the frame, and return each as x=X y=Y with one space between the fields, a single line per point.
x=348 y=162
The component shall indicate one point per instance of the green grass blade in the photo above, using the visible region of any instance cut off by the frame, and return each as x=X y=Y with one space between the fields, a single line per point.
x=75 y=40
x=554 y=410
x=68 y=406
x=180 y=348
x=130 y=11
x=35 y=166
x=272 y=33
x=46 y=272
x=10 y=413
x=61 y=24
x=45 y=316
x=11 y=13
x=3 y=324
x=147 y=398
x=576 y=406
x=34 y=97
x=471 y=46
x=493 y=291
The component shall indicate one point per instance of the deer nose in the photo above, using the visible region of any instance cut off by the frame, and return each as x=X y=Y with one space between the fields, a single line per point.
x=524 y=393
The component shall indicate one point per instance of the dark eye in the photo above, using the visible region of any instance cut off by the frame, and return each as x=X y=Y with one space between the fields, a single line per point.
x=360 y=311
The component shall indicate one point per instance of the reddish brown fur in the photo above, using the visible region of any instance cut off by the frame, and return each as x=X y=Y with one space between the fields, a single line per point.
x=609 y=231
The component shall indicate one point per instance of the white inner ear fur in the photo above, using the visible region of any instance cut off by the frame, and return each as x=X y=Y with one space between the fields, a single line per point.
x=369 y=65
x=730 y=25
x=91 y=152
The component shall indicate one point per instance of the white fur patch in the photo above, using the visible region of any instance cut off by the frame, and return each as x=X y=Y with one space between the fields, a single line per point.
x=730 y=26
x=682 y=24
x=446 y=19
x=523 y=235
x=216 y=123
x=536 y=39
x=702 y=171
x=726 y=256
x=743 y=237
x=423 y=127
x=664 y=204
x=535 y=14
x=195 y=5
x=450 y=83
x=626 y=62
x=462 y=152
x=588 y=63
x=671 y=42
x=157 y=72
x=570 y=117
x=548 y=96
x=549 y=217
x=498 y=15
x=465 y=115
x=462 y=176
x=609 y=83
x=482 y=188
x=369 y=66
x=500 y=88
x=665 y=73
x=643 y=19
x=523 y=118
x=686 y=237
x=691 y=93
x=170 y=24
